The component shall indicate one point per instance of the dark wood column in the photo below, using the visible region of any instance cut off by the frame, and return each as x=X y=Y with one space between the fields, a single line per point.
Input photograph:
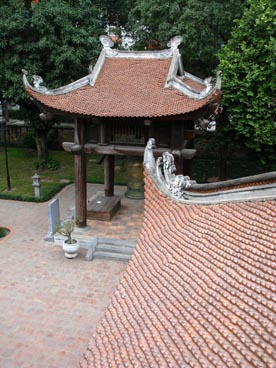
x=80 y=175
x=102 y=140
x=109 y=175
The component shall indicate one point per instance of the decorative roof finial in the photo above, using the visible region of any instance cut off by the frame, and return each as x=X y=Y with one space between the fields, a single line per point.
x=106 y=41
x=38 y=80
x=175 y=42
x=163 y=170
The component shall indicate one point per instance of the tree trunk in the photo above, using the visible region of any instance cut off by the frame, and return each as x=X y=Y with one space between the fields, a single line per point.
x=41 y=146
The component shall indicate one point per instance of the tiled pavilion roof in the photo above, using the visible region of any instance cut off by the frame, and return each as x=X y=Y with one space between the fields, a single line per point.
x=130 y=84
x=199 y=290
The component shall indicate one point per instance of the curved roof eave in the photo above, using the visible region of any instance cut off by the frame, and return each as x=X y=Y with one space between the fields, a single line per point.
x=70 y=110
x=53 y=92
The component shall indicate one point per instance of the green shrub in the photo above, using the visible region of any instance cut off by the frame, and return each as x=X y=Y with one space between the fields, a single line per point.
x=28 y=198
x=28 y=140
x=51 y=164
x=3 y=232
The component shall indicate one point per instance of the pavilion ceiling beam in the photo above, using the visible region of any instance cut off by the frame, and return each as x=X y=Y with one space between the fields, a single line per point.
x=113 y=149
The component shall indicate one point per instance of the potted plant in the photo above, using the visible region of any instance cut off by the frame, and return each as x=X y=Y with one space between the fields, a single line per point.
x=70 y=245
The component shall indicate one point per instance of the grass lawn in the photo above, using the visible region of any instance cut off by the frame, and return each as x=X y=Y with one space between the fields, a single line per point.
x=21 y=168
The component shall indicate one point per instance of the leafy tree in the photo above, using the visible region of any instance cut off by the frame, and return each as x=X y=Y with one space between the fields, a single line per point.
x=115 y=13
x=114 y=19
x=204 y=25
x=56 y=39
x=248 y=63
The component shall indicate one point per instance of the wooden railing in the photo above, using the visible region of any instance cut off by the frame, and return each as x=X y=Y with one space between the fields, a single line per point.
x=123 y=133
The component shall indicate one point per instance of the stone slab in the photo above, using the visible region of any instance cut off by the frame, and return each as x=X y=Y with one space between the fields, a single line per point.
x=103 y=208
x=53 y=219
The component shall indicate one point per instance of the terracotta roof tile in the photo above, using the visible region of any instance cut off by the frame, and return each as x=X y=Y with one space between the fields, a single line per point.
x=199 y=290
x=193 y=84
x=127 y=88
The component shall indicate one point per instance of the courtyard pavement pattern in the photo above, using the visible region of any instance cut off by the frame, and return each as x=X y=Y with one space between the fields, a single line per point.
x=49 y=305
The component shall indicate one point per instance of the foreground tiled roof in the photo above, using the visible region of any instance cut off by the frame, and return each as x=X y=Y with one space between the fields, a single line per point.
x=198 y=292
x=129 y=84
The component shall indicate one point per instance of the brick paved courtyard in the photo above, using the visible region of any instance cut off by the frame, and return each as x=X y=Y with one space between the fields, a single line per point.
x=49 y=306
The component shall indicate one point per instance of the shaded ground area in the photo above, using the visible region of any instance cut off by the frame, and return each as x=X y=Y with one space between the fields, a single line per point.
x=49 y=305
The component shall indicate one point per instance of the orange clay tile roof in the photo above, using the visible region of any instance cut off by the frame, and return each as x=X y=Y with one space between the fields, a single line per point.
x=199 y=290
x=127 y=88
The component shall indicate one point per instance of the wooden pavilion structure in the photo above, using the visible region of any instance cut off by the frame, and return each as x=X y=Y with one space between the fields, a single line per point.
x=128 y=97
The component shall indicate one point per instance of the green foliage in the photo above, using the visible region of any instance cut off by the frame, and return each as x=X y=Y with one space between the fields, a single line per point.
x=248 y=64
x=28 y=140
x=66 y=229
x=3 y=232
x=21 y=171
x=115 y=13
x=50 y=164
x=204 y=25
x=54 y=39
x=29 y=198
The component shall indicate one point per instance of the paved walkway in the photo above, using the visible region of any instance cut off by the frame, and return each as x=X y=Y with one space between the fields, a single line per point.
x=49 y=306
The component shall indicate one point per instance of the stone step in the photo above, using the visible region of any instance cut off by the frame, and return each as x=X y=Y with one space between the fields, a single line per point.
x=111 y=256
x=108 y=248
x=111 y=248
x=115 y=241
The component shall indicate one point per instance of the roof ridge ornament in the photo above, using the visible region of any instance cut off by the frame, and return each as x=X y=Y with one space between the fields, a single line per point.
x=184 y=190
x=174 y=42
x=164 y=170
x=37 y=81
x=106 y=41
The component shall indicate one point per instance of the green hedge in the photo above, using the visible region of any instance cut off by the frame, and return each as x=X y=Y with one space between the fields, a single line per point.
x=42 y=198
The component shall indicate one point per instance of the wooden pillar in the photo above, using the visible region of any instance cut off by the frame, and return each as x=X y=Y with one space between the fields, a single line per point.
x=109 y=175
x=80 y=176
x=102 y=137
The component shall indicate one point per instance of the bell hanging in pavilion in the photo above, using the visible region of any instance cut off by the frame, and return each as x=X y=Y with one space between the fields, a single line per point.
x=135 y=178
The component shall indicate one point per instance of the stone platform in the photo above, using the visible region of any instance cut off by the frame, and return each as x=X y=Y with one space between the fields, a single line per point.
x=103 y=208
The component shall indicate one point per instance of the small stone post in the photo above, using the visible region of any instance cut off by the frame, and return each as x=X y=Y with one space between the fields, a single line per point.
x=36 y=185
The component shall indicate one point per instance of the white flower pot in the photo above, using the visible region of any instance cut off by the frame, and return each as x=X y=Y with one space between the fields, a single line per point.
x=71 y=250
